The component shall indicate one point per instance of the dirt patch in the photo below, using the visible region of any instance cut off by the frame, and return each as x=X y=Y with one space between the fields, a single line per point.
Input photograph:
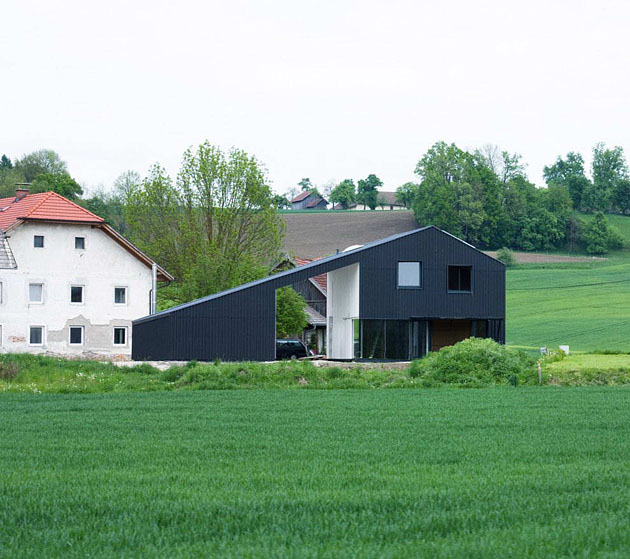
x=541 y=258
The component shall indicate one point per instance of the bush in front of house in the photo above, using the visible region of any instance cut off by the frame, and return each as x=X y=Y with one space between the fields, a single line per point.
x=474 y=362
x=506 y=256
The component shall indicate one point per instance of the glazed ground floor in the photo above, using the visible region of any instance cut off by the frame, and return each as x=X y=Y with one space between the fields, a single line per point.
x=414 y=338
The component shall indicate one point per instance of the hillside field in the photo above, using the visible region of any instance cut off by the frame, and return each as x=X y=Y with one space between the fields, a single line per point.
x=502 y=472
x=585 y=305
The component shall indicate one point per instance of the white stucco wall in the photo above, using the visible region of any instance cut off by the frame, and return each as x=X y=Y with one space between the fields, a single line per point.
x=342 y=306
x=100 y=267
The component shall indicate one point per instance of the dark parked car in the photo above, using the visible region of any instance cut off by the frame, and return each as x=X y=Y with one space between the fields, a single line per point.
x=290 y=349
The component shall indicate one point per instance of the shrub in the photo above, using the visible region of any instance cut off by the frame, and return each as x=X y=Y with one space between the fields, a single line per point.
x=506 y=256
x=8 y=370
x=474 y=362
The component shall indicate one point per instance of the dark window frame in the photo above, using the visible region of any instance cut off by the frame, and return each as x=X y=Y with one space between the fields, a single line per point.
x=80 y=241
x=421 y=285
x=81 y=329
x=31 y=329
x=124 y=329
x=38 y=239
x=448 y=279
x=124 y=291
x=82 y=288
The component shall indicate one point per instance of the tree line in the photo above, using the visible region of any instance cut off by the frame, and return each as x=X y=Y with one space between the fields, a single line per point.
x=485 y=198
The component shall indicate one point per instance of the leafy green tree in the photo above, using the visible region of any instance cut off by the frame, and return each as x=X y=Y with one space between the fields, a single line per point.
x=43 y=161
x=569 y=172
x=290 y=313
x=344 y=194
x=305 y=184
x=281 y=202
x=367 y=191
x=596 y=234
x=609 y=168
x=450 y=193
x=61 y=183
x=126 y=185
x=406 y=193
x=216 y=227
x=158 y=225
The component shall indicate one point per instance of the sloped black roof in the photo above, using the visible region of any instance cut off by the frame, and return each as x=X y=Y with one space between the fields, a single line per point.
x=318 y=267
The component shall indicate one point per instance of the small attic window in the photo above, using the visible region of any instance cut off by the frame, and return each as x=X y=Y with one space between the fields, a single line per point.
x=79 y=243
x=38 y=241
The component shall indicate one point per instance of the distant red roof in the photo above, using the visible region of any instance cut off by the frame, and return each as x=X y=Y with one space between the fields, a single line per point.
x=301 y=196
x=315 y=202
x=47 y=206
x=321 y=280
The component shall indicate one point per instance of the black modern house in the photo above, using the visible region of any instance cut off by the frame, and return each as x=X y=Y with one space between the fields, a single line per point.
x=396 y=298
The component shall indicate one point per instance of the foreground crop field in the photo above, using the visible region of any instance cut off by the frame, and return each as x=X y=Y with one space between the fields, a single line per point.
x=526 y=472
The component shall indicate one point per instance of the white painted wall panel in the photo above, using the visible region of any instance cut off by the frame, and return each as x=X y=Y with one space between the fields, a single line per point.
x=342 y=306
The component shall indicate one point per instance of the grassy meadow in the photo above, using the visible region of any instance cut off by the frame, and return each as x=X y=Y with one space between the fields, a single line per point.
x=585 y=305
x=498 y=472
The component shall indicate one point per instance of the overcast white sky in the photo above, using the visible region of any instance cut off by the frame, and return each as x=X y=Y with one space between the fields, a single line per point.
x=327 y=90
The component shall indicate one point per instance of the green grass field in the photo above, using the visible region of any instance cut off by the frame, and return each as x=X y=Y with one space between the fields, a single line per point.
x=498 y=472
x=584 y=305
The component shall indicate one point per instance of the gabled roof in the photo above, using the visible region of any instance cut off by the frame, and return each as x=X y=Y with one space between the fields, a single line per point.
x=324 y=265
x=301 y=196
x=52 y=207
x=46 y=206
x=316 y=202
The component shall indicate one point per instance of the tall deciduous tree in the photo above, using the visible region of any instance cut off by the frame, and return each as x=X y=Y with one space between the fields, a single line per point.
x=305 y=184
x=367 y=191
x=344 y=194
x=40 y=162
x=569 y=172
x=406 y=193
x=61 y=183
x=216 y=227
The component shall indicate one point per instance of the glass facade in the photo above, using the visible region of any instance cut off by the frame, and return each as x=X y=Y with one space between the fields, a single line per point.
x=402 y=340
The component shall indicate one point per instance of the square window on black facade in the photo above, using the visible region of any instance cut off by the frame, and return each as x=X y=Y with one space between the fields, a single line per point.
x=409 y=274
x=460 y=278
x=38 y=241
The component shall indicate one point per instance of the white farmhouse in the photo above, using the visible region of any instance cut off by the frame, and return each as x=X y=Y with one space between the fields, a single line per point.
x=69 y=283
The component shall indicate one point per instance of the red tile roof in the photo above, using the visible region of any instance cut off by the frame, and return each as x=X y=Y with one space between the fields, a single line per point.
x=47 y=206
x=321 y=280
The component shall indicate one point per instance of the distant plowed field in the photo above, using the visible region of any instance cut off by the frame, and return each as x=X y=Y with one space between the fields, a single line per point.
x=541 y=258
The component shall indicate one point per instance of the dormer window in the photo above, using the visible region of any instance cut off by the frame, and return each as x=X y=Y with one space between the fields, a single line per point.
x=38 y=241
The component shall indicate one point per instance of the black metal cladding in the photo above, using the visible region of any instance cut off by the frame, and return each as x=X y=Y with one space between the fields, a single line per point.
x=239 y=324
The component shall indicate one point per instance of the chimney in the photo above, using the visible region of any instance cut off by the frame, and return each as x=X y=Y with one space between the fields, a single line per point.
x=21 y=191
